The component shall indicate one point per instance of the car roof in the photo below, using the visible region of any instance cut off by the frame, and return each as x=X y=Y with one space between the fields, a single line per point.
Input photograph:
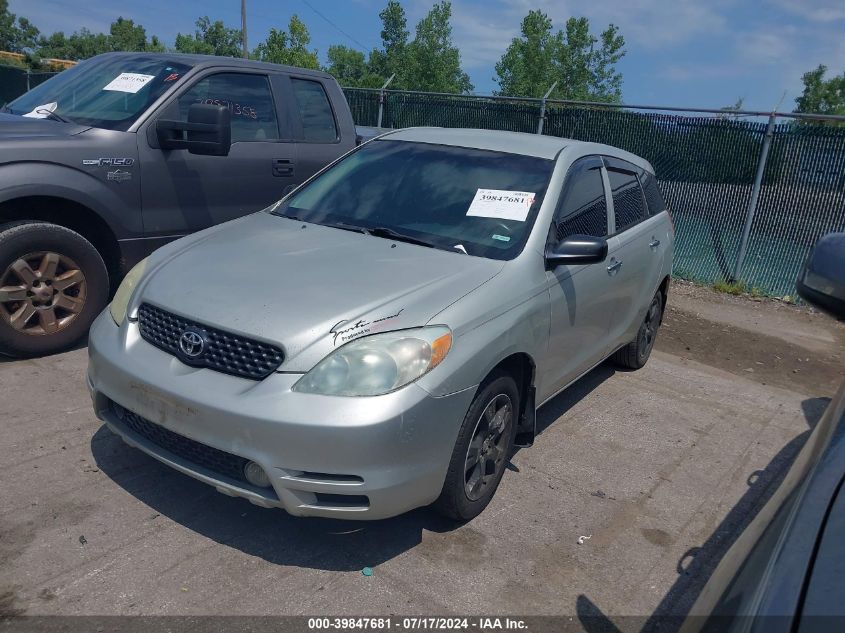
x=208 y=61
x=537 y=145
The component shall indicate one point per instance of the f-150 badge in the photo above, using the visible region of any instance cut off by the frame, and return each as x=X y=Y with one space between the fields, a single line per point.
x=109 y=162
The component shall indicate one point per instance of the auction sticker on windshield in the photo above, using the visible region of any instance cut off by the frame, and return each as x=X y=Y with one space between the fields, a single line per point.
x=502 y=205
x=128 y=82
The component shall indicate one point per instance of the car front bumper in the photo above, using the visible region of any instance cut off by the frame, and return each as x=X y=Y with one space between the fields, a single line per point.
x=341 y=457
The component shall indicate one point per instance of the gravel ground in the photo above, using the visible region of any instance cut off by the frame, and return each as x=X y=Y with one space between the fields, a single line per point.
x=661 y=468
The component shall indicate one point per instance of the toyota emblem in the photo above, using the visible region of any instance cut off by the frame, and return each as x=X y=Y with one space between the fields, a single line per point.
x=191 y=343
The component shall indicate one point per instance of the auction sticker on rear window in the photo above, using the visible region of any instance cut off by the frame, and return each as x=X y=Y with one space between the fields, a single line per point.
x=128 y=82
x=503 y=205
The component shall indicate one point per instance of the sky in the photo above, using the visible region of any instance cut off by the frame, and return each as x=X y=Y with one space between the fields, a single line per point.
x=688 y=53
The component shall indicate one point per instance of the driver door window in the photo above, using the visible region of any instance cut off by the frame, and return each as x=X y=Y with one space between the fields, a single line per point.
x=583 y=206
x=248 y=98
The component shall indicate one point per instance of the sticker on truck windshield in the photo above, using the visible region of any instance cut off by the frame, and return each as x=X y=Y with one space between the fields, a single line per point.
x=128 y=82
x=502 y=205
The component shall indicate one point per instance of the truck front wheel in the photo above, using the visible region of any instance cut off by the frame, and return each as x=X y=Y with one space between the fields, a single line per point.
x=53 y=283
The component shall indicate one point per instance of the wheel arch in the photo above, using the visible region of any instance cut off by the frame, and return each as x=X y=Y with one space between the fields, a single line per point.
x=664 y=292
x=522 y=368
x=72 y=215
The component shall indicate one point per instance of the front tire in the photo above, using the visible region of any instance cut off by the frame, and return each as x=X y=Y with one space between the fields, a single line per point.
x=636 y=353
x=483 y=448
x=53 y=284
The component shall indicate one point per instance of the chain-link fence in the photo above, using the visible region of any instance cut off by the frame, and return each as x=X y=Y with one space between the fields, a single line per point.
x=729 y=226
x=707 y=166
x=15 y=81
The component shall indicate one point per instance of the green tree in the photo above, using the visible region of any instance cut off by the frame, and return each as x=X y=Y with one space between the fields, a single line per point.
x=583 y=64
x=527 y=66
x=289 y=47
x=127 y=36
x=79 y=45
x=394 y=36
x=433 y=61
x=210 y=38
x=350 y=69
x=822 y=96
x=17 y=35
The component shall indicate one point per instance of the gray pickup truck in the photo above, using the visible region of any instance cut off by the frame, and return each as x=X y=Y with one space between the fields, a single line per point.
x=125 y=152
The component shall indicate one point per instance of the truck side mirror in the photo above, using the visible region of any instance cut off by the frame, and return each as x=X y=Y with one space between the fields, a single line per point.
x=822 y=280
x=577 y=249
x=208 y=131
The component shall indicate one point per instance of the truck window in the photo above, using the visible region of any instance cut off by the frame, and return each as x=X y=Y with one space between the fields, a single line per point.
x=248 y=98
x=315 y=111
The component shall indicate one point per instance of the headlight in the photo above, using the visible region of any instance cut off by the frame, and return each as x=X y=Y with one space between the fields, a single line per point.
x=118 y=305
x=378 y=364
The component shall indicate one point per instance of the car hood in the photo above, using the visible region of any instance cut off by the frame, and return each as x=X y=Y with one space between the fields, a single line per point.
x=13 y=126
x=307 y=287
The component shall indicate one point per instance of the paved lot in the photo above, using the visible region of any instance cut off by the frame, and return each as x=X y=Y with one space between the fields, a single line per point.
x=661 y=468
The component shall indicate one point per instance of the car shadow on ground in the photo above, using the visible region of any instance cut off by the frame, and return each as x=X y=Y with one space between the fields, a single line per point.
x=80 y=344
x=697 y=564
x=273 y=535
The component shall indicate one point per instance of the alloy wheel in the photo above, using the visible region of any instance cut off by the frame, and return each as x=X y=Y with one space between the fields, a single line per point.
x=486 y=454
x=649 y=330
x=41 y=293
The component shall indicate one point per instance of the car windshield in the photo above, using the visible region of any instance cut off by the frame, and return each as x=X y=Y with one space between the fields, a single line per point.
x=478 y=202
x=109 y=92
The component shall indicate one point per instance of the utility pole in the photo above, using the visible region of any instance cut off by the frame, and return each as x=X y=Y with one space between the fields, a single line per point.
x=243 y=28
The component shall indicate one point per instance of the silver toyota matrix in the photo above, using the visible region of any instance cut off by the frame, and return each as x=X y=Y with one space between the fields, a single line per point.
x=381 y=338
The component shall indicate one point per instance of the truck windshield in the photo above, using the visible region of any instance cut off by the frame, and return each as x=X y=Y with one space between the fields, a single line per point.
x=473 y=201
x=108 y=92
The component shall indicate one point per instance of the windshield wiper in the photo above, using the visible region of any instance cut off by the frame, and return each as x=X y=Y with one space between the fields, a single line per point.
x=49 y=114
x=344 y=226
x=335 y=225
x=383 y=231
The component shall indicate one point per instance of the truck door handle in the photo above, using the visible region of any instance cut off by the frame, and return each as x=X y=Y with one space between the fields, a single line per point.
x=282 y=167
x=654 y=243
x=614 y=266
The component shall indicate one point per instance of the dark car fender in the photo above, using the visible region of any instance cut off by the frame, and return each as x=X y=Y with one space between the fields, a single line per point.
x=116 y=201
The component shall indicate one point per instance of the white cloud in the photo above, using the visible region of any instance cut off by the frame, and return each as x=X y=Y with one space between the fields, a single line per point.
x=813 y=10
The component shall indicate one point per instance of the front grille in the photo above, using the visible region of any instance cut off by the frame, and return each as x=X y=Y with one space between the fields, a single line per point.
x=224 y=352
x=213 y=459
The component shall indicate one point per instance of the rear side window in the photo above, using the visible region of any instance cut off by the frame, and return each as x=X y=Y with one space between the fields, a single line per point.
x=628 y=201
x=315 y=111
x=248 y=98
x=582 y=209
x=653 y=197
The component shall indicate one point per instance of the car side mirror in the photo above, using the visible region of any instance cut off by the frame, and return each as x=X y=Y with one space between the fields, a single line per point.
x=577 y=249
x=208 y=131
x=821 y=281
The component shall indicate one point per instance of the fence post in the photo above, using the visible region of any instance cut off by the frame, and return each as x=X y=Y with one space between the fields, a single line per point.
x=543 y=109
x=28 y=73
x=755 y=196
x=381 y=99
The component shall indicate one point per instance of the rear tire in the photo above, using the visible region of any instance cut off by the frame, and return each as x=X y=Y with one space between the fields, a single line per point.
x=636 y=353
x=482 y=450
x=53 y=284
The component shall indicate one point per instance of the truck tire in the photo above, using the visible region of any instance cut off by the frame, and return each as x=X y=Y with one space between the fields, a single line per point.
x=53 y=283
x=635 y=354
x=482 y=451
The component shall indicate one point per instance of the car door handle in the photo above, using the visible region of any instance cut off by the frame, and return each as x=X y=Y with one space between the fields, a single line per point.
x=614 y=266
x=654 y=243
x=282 y=167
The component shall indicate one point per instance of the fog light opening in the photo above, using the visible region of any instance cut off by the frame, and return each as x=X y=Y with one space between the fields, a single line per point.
x=256 y=476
